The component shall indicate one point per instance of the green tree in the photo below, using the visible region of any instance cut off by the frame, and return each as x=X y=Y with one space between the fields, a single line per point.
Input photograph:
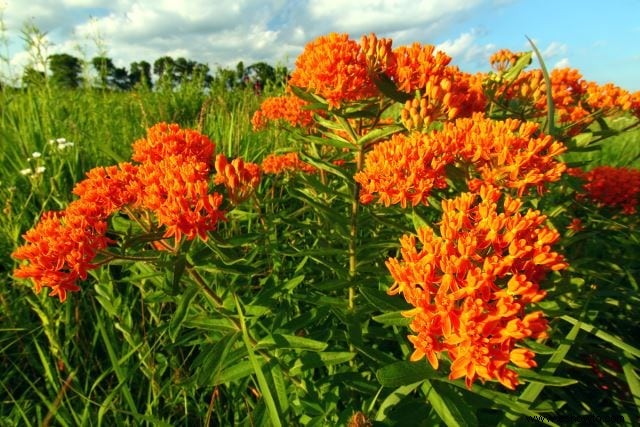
x=140 y=74
x=65 y=70
x=164 y=68
x=104 y=66
x=261 y=72
x=33 y=78
x=111 y=76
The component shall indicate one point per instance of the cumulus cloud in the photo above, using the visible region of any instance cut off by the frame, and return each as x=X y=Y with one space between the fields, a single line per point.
x=222 y=33
x=466 y=49
x=554 y=49
x=563 y=63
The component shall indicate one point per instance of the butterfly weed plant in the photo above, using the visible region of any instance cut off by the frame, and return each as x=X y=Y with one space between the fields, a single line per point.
x=418 y=250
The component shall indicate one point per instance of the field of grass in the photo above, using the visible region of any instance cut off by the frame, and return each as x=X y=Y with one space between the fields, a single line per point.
x=281 y=316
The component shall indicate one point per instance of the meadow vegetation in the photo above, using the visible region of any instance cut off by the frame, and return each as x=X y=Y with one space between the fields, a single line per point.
x=410 y=245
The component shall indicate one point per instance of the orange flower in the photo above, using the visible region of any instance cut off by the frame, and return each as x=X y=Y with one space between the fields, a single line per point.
x=108 y=187
x=335 y=68
x=239 y=178
x=506 y=154
x=61 y=247
x=280 y=163
x=568 y=89
x=607 y=97
x=419 y=67
x=576 y=225
x=176 y=190
x=404 y=169
x=526 y=93
x=164 y=140
x=456 y=94
x=286 y=108
x=471 y=284
x=378 y=54
x=503 y=59
x=617 y=188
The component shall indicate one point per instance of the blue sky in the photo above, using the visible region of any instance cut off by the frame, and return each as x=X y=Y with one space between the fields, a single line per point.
x=598 y=38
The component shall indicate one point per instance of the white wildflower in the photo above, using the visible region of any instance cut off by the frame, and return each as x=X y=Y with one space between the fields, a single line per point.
x=61 y=140
x=36 y=154
x=25 y=172
x=65 y=145
x=40 y=169
x=52 y=141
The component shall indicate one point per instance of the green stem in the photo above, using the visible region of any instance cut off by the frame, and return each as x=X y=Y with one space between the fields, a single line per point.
x=353 y=233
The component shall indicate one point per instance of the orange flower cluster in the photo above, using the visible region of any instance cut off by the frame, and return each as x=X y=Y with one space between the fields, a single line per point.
x=617 y=188
x=526 y=93
x=277 y=164
x=171 y=182
x=457 y=95
x=568 y=88
x=334 y=67
x=504 y=59
x=470 y=286
x=176 y=190
x=577 y=102
x=108 y=188
x=419 y=67
x=379 y=55
x=287 y=108
x=510 y=153
x=239 y=178
x=61 y=247
x=404 y=169
x=504 y=154
x=164 y=140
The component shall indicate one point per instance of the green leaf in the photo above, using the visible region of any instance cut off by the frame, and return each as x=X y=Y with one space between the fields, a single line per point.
x=291 y=284
x=379 y=134
x=233 y=373
x=207 y=323
x=551 y=127
x=291 y=342
x=507 y=403
x=338 y=171
x=631 y=376
x=450 y=407
x=389 y=89
x=405 y=372
x=274 y=414
x=331 y=140
x=381 y=301
x=394 y=318
x=418 y=221
x=523 y=62
x=310 y=361
x=394 y=398
x=275 y=379
x=535 y=377
x=214 y=359
x=533 y=390
x=614 y=341
x=181 y=311
x=310 y=97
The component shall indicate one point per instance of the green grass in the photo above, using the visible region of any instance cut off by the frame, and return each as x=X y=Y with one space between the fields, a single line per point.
x=133 y=348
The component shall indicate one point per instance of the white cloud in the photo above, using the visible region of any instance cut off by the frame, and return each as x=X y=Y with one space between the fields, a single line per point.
x=554 y=49
x=406 y=21
x=222 y=33
x=466 y=49
x=563 y=63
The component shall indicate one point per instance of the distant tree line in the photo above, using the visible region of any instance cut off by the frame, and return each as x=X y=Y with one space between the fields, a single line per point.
x=66 y=71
